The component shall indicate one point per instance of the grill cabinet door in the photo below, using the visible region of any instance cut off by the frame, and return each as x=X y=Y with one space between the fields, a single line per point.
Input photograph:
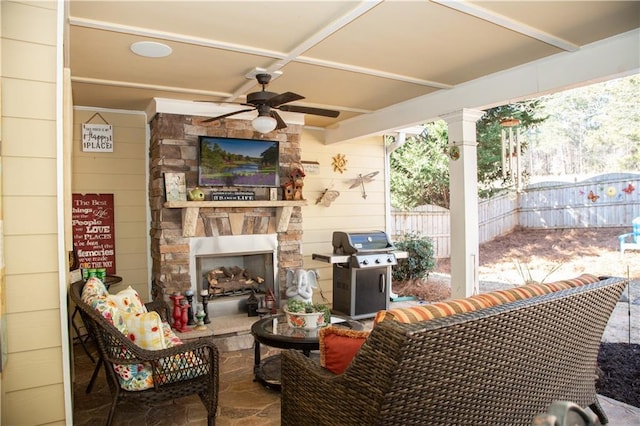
x=360 y=293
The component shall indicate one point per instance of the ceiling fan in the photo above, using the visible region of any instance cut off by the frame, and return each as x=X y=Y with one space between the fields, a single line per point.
x=266 y=103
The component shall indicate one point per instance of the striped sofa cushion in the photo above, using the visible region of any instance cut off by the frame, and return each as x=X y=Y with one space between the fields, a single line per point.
x=479 y=301
x=435 y=310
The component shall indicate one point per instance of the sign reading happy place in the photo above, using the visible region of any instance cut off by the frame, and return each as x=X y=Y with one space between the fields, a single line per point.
x=97 y=137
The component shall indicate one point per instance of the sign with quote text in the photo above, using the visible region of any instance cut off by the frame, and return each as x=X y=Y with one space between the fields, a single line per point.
x=97 y=137
x=93 y=231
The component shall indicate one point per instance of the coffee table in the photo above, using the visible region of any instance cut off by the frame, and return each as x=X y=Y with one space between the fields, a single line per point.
x=275 y=332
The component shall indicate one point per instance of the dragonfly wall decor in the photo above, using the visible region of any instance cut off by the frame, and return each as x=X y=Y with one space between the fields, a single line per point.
x=361 y=180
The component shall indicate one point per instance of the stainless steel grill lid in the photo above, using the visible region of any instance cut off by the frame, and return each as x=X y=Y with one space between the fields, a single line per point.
x=361 y=242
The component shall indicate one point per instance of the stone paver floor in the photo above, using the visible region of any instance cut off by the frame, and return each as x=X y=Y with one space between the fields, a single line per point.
x=245 y=402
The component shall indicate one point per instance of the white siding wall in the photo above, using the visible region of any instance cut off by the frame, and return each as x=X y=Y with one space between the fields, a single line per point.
x=32 y=382
x=349 y=212
x=122 y=173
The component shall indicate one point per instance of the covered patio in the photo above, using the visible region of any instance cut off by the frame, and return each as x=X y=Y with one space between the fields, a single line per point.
x=385 y=66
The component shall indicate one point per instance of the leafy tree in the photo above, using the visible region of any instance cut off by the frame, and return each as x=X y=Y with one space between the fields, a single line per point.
x=420 y=167
x=591 y=129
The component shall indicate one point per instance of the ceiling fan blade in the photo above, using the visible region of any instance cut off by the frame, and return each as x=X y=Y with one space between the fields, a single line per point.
x=283 y=98
x=280 y=124
x=310 y=110
x=208 y=120
x=223 y=102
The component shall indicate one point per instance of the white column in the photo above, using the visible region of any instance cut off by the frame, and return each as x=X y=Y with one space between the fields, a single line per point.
x=463 y=188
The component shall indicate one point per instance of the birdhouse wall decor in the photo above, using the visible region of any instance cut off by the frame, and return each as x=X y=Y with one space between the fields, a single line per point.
x=292 y=189
x=287 y=191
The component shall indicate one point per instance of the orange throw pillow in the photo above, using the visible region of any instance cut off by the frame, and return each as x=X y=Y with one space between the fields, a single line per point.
x=338 y=346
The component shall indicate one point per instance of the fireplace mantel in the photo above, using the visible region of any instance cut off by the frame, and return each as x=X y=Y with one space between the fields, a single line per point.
x=191 y=209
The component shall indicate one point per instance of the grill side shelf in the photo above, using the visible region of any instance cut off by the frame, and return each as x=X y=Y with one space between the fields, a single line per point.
x=330 y=258
x=400 y=254
x=342 y=258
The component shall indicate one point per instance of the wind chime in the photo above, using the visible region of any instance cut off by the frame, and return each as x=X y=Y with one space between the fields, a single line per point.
x=511 y=158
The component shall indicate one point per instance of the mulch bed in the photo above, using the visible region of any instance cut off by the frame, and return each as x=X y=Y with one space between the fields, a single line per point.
x=619 y=372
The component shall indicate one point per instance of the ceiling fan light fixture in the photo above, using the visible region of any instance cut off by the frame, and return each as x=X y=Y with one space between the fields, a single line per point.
x=264 y=123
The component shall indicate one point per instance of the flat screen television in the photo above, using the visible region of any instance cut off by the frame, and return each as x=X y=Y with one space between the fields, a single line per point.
x=238 y=162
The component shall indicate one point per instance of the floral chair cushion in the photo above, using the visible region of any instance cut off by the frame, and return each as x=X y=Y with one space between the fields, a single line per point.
x=128 y=300
x=145 y=330
x=126 y=311
x=134 y=377
x=94 y=287
x=140 y=376
x=170 y=338
x=148 y=331
x=109 y=310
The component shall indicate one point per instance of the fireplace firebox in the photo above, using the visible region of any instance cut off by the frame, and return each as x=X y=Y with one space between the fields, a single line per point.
x=231 y=267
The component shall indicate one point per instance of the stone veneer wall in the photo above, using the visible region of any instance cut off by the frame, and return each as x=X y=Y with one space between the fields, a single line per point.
x=174 y=148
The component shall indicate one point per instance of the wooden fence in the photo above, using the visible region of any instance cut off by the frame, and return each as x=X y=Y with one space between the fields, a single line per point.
x=496 y=216
x=610 y=200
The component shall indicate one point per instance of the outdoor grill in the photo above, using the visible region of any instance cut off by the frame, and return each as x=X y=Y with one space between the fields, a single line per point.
x=362 y=264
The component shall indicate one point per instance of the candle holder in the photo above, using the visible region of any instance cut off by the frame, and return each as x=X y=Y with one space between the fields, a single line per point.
x=185 y=307
x=189 y=295
x=200 y=320
x=177 y=311
x=205 y=301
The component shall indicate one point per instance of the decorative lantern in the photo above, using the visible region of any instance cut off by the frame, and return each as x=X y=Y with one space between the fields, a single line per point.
x=252 y=305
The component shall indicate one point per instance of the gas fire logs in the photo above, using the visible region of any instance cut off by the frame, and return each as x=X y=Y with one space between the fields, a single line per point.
x=234 y=280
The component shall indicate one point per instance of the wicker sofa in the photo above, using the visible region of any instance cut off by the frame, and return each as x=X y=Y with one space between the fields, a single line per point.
x=178 y=370
x=500 y=365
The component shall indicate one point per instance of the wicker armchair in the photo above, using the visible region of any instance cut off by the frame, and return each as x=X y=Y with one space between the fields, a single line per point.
x=497 y=366
x=196 y=373
x=565 y=413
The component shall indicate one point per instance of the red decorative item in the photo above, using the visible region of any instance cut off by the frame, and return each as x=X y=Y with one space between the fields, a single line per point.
x=185 y=316
x=178 y=325
x=629 y=189
x=270 y=301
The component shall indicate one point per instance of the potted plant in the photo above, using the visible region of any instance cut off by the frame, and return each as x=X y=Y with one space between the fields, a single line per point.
x=306 y=315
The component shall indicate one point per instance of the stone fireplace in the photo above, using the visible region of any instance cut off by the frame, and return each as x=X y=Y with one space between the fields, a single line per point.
x=182 y=233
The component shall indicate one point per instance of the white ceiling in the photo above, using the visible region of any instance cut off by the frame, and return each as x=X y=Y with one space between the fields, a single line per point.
x=382 y=64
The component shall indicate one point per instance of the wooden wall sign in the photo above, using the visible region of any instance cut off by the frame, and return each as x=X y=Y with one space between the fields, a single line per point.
x=93 y=231
x=97 y=137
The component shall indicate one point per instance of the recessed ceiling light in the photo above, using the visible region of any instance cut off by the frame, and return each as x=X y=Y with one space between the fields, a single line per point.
x=151 y=49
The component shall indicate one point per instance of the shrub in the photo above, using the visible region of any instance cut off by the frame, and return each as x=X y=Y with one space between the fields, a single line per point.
x=420 y=261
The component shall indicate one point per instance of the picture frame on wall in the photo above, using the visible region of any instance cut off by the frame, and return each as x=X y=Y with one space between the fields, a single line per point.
x=175 y=186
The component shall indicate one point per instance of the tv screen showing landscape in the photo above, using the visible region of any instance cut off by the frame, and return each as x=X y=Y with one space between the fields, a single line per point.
x=238 y=162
